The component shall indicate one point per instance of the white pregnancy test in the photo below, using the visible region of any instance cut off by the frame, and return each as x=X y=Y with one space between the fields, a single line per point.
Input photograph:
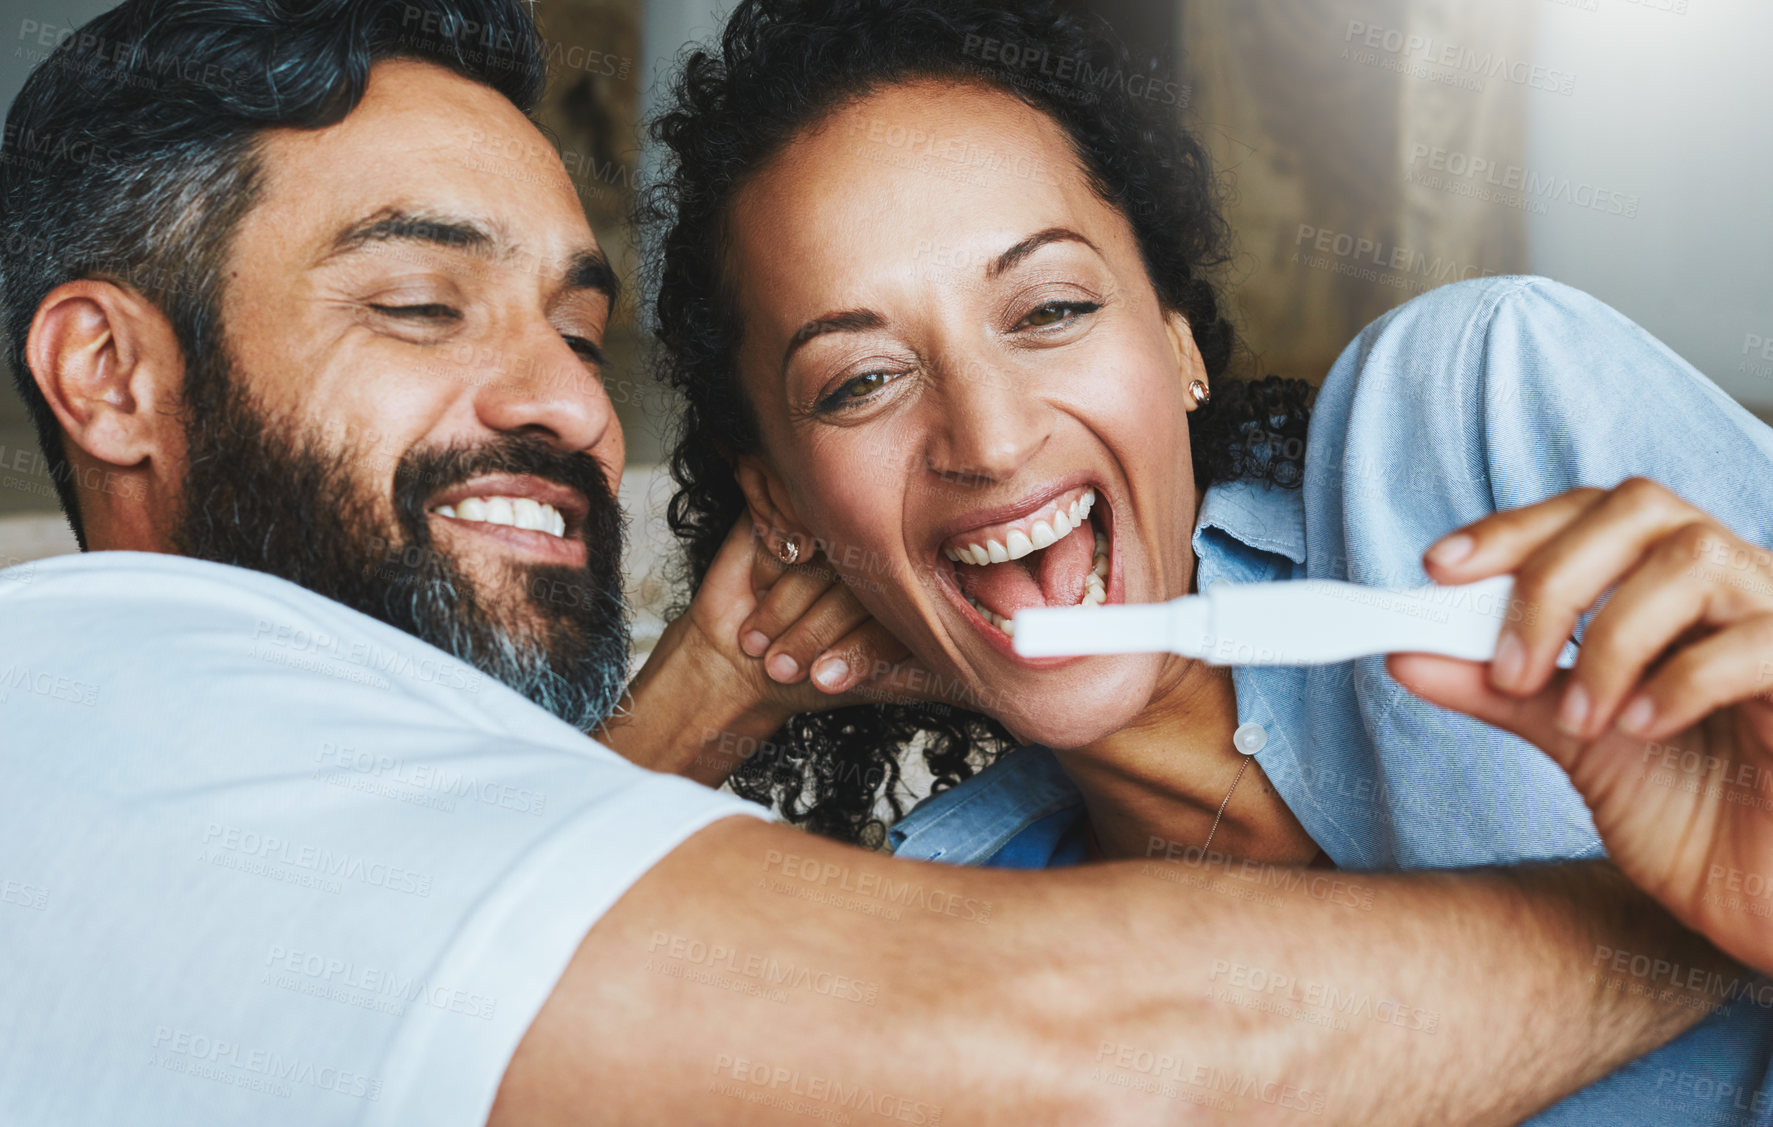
x=1302 y=622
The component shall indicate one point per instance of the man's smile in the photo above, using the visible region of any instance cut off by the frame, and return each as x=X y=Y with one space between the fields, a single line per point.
x=537 y=517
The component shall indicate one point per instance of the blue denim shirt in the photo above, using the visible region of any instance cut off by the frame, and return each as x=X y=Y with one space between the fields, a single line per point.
x=1474 y=397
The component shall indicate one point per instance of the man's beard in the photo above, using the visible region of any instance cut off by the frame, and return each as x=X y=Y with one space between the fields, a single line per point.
x=264 y=496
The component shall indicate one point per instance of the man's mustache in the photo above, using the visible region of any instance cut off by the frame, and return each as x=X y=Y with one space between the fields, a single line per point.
x=425 y=471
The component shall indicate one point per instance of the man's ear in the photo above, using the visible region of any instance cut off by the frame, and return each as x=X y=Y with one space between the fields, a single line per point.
x=107 y=360
x=771 y=510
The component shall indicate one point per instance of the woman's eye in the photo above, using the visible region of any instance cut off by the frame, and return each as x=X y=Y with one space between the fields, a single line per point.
x=1056 y=312
x=855 y=389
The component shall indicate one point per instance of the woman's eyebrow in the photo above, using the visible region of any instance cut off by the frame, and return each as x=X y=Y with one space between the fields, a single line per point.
x=849 y=321
x=1033 y=243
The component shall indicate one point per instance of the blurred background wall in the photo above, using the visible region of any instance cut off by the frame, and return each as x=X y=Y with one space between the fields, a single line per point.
x=1370 y=149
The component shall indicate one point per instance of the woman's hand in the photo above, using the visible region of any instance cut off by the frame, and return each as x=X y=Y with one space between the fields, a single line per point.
x=1665 y=724
x=760 y=642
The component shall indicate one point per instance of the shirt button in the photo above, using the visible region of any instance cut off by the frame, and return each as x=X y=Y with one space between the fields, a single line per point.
x=1250 y=738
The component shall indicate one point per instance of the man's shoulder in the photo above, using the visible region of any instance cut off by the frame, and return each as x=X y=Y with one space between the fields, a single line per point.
x=85 y=588
x=147 y=577
x=340 y=867
x=142 y=626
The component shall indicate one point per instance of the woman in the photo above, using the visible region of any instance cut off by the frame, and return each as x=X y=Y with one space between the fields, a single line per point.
x=920 y=307
x=950 y=326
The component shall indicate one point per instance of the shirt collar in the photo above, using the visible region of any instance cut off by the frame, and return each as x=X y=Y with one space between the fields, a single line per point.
x=1266 y=517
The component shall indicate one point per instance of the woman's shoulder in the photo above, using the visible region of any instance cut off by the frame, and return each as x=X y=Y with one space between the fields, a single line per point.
x=1510 y=353
x=1499 y=392
x=1473 y=345
x=995 y=816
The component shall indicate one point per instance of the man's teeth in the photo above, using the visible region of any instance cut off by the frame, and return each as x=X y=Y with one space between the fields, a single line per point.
x=1095 y=590
x=518 y=512
x=1046 y=531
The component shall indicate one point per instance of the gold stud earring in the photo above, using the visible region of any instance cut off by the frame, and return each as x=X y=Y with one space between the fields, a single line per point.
x=1201 y=393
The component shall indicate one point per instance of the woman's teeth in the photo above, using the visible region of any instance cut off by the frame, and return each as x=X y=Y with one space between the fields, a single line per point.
x=1095 y=589
x=1043 y=532
x=1096 y=582
x=518 y=512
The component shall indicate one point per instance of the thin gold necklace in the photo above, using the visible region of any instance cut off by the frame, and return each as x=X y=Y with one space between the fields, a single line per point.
x=1246 y=756
x=1241 y=768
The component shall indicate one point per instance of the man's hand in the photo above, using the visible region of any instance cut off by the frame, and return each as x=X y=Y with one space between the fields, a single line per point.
x=1665 y=723
x=760 y=642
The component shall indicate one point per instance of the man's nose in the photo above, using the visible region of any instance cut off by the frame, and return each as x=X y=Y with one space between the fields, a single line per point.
x=541 y=387
x=991 y=425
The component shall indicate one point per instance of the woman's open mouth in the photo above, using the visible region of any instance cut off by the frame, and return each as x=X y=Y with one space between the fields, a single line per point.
x=1058 y=553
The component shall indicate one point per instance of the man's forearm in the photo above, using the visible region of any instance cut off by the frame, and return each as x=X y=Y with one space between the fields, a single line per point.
x=759 y=975
x=1477 y=996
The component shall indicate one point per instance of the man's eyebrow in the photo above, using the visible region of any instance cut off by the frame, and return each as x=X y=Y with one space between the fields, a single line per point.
x=849 y=321
x=587 y=270
x=1033 y=243
x=401 y=226
x=590 y=270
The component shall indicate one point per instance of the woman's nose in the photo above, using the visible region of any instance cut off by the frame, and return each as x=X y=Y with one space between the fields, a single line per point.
x=991 y=425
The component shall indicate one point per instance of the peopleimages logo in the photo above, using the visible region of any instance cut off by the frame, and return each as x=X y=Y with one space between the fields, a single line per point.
x=1375 y=260
x=1073 y=70
x=229 y=1062
x=1394 y=49
x=1530 y=183
x=233 y=846
x=342 y=765
x=279 y=642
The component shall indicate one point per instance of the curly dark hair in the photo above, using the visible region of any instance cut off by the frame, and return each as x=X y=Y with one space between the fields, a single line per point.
x=781 y=67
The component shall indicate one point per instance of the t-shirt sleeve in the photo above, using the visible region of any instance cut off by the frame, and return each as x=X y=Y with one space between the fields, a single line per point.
x=1477 y=397
x=279 y=863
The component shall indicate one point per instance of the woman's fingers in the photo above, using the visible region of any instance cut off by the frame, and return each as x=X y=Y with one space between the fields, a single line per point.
x=733 y=569
x=807 y=633
x=1729 y=667
x=1658 y=602
x=789 y=594
x=868 y=651
x=1565 y=553
x=808 y=627
x=1501 y=541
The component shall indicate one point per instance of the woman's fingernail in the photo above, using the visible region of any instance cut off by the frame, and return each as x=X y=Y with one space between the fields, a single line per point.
x=1573 y=713
x=782 y=667
x=1509 y=663
x=1637 y=716
x=755 y=642
x=831 y=672
x=1451 y=550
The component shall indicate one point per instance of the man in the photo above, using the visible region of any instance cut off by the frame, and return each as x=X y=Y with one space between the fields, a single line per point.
x=301 y=823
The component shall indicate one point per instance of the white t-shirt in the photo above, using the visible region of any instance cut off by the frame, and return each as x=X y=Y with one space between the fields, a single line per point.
x=266 y=860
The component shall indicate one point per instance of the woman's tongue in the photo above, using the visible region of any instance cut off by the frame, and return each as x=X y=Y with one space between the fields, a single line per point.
x=1053 y=576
